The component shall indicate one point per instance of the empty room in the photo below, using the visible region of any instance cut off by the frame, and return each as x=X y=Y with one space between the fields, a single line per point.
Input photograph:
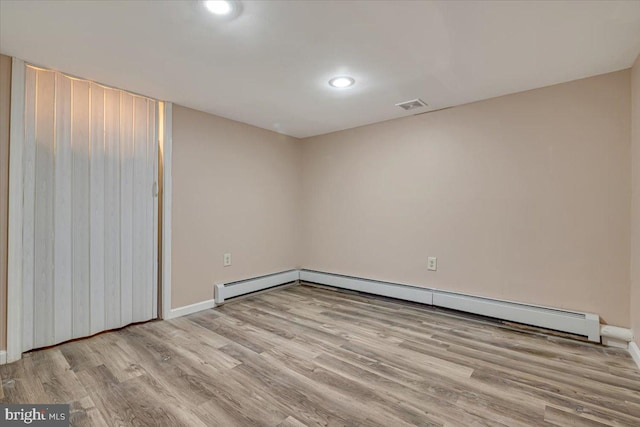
x=276 y=213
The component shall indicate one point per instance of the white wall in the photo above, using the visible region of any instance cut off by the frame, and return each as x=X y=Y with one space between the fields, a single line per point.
x=236 y=188
x=635 y=214
x=524 y=197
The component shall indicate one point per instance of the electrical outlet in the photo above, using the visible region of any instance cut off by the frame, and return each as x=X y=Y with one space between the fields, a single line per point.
x=226 y=260
x=432 y=263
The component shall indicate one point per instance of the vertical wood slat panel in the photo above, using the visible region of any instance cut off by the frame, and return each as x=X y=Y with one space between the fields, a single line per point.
x=90 y=215
x=80 y=207
x=140 y=274
x=62 y=281
x=96 y=203
x=43 y=229
x=112 y=209
x=126 y=205
x=152 y=160
x=147 y=259
x=29 y=158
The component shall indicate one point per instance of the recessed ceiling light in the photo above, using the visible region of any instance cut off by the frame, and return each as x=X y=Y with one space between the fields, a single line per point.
x=342 y=82
x=218 y=7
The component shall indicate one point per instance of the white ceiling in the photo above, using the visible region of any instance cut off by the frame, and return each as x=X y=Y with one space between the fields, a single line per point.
x=269 y=67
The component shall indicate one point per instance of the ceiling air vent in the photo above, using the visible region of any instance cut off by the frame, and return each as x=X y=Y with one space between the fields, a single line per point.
x=412 y=105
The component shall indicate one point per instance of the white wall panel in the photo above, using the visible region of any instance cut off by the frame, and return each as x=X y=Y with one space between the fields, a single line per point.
x=89 y=211
x=43 y=211
x=62 y=213
x=112 y=209
x=126 y=208
x=97 y=208
x=140 y=199
x=29 y=159
x=80 y=207
x=152 y=247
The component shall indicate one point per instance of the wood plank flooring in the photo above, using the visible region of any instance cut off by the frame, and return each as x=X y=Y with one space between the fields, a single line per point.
x=307 y=356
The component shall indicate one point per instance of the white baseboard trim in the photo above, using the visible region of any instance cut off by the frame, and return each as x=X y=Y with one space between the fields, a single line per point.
x=585 y=324
x=230 y=290
x=392 y=290
x=3 y=357
x=191 y=308
x=634 y=350
x=226 y=291
x=613 y=342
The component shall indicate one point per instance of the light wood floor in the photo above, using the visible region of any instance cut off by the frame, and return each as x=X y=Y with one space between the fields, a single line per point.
x=309 y=356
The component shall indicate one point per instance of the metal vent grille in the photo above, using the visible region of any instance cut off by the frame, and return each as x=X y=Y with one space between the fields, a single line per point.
x=412 y=105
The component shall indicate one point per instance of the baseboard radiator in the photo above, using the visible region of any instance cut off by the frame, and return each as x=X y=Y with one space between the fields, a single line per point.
x=584 y=324
x=226 y=291
x=615 y=336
